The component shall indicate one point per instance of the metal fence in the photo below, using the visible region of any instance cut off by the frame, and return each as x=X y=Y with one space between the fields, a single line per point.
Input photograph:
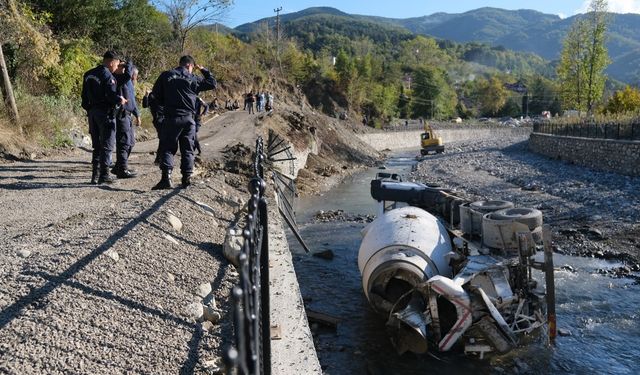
x=591 y=130
x=251 y=354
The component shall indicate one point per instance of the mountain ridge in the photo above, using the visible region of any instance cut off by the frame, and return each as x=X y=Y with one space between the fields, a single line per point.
x=522 y=30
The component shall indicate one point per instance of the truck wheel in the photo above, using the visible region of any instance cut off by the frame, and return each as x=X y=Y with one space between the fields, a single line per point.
x=490 y=206
x=527 y=216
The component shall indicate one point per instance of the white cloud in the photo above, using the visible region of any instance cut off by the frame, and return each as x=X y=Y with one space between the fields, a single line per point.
x=616 y=6
x=562 y=15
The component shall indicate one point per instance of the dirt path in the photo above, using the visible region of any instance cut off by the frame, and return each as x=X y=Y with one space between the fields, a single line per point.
x=95 y=279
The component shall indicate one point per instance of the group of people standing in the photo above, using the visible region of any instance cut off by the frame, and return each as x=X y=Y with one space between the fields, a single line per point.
x=263 y=101
x=108 y=96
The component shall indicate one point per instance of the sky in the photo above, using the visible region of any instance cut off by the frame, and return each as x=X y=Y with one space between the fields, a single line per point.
x=244 y=11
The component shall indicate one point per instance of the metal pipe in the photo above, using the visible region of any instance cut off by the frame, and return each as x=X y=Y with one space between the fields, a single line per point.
x=550 y=282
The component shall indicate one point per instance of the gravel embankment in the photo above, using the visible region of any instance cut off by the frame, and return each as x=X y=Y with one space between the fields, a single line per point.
x=97 y=280
x=592 y=213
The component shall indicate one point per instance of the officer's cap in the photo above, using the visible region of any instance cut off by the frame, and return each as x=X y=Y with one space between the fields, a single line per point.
x=111 y=55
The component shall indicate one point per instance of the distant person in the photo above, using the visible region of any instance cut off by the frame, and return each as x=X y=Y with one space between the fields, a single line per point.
x=214 y=104
x=263 y=101
x=100 y=99
x=250 y=100
x=235 y=105
x=177 y=92
x=269 y=101
x=365 y=121
x=406 y=123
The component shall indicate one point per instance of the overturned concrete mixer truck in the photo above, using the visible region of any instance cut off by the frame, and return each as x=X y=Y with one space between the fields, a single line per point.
x=449 y=274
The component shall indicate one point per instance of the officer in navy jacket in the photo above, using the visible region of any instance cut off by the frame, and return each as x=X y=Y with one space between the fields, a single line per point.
x=125 y=131
x=176 y=91
x=101 y=101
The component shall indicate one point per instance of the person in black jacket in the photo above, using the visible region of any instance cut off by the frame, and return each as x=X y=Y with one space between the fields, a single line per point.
x=125 y=133
x=177 y=91
x=101 y=100
x=157 y=116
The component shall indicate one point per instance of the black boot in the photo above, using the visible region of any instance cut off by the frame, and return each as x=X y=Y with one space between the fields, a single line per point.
x=105 y=177
x=126 y=173
x=165 y=181
x=94 y=174
x=186 y=180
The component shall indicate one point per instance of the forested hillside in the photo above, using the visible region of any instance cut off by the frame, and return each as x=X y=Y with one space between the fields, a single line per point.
x=517 y=30
x=345 y=65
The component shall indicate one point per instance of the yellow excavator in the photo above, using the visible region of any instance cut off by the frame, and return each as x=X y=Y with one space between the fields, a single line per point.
x=429 y=142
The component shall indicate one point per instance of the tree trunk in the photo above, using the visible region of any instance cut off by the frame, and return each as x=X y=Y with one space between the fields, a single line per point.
x=7 y=90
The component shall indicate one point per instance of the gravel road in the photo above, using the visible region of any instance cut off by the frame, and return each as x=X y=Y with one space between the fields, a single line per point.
x=97 y=280
x=592 y=213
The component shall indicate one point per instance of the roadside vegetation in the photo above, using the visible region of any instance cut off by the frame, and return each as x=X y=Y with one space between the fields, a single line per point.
x=343 y=66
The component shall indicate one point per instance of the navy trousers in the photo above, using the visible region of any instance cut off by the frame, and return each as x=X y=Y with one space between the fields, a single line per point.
x=103 y=136
x=125 y=140
x=177 y=132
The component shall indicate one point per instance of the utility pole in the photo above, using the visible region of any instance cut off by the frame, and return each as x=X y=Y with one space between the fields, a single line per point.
x=7 y=91
x=277 y=11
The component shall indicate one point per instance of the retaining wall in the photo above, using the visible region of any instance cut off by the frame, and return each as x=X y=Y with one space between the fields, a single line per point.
x=411 y=139
x=601 y=154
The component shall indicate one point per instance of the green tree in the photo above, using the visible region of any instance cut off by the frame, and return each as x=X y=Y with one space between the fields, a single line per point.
x=584 y=58
x=624 y=101
x=433 y=97
x=345 y=69
x=598 y=56
x=493 y=96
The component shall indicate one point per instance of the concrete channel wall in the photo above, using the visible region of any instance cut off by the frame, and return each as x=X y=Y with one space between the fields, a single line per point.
x=601 y=154
x=292 y=349
x=411 y=139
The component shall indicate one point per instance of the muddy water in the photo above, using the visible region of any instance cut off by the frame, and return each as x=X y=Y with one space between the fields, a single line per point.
x=602 y=314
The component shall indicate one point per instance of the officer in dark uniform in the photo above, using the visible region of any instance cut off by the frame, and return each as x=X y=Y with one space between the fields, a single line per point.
x=177 y=92
x=157 y=115
x=101 y=100
x=125 y=133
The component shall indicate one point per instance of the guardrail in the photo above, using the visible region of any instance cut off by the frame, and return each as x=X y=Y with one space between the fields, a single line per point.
x=251 y=354
x=591 y=130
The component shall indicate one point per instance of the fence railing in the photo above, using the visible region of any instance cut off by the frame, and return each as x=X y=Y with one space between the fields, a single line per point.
x=591 y=130
x=251 y=354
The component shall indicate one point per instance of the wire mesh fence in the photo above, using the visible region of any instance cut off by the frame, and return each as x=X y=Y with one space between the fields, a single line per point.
x=620 y=131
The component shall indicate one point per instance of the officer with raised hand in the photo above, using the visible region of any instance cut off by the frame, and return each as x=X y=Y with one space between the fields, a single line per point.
x=101 y=101
x=176 y=91
x=125 y=76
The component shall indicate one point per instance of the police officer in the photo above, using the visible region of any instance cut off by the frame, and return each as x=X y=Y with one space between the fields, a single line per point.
x=177 y=91
x=100 y=99
x=157 y=115
x=125 y=133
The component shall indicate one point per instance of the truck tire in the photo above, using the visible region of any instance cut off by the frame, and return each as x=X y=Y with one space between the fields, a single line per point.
x=527 y=216
x=490 y=206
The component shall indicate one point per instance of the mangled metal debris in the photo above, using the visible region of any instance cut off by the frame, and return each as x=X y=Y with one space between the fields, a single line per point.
x=451 y=274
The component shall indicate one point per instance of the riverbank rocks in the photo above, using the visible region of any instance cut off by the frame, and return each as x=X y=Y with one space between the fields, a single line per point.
x=175 y=222
x=195 y=311
x=24 y=253
x=203 y=290
x=113 y=255
x=233 y=242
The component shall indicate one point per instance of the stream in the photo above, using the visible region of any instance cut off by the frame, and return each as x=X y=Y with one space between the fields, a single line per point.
x=600 y=313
